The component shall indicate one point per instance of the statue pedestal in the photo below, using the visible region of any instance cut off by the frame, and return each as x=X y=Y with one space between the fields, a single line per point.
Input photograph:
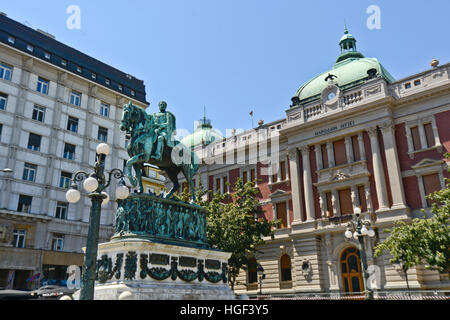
x=157 y=271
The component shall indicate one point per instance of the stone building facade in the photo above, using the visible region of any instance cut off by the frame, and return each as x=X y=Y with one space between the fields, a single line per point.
x=353 y=138
x=56 y=105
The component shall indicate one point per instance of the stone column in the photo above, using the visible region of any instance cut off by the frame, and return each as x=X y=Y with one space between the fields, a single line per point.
x=395 y=175
x=307 y=184
x=335 y=203
x=423 y=138
x=294 y=168
x=380 y=182
x=355 y=200
x=349 y=149
x=318 y=151
x=323 y=204
x=367 y=195
x=330 y=154
x=362 y=151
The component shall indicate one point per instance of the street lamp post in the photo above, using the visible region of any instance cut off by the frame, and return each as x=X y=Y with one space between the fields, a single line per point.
x=95 y=184
x=361 y=230
x=261 y=276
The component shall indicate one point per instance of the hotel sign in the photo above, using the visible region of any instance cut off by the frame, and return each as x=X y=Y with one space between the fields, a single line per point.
x=344 y=125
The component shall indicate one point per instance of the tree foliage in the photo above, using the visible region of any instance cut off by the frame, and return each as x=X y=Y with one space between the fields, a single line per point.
x=232 y=223
x=424 y=239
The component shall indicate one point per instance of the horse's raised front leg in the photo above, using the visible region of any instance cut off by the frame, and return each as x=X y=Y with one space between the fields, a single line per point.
x=130 y=163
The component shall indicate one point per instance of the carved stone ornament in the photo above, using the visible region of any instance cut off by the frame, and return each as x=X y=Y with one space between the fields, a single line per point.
x=330 y=95
x=306 y=268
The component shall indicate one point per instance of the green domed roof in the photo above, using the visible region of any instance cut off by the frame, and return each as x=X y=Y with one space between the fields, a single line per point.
x=350 y=69
x=203 y=135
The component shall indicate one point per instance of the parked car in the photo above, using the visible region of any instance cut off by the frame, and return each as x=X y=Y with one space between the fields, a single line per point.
x=15 y=295
x=52 y=292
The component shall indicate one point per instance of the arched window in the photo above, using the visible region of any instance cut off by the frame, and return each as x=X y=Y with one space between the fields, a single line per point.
x=285 y=263
x=251 y=271
x=352 y=279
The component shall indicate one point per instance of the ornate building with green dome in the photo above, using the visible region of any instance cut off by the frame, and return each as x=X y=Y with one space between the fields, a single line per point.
x=354 y=142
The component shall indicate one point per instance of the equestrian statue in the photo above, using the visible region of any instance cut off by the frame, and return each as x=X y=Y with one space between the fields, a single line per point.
x=153 y=142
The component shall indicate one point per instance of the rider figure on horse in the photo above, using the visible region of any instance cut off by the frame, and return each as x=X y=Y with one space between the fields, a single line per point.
x=165 y=127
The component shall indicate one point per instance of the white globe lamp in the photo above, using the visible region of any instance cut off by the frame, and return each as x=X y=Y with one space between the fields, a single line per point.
x=348 y=234
x=103 y=148
x=122 y=192
x=106 y=200
x=73 y=196
x=90 y=184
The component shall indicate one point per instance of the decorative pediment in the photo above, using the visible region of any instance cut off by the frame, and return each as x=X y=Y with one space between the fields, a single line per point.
x=427 y=163
x=339 y=176
x=280 y=193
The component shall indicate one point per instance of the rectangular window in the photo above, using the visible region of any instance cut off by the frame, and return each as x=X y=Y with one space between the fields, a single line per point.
x=340 y=155
x=104 y=109
x=61 y=210
x=362 y=198
x=416 y=138
x=69 y=151
x=64 y=62
x=3 y=101
x=19 y=238
x=11 y=40
x=102 y=134
x=75 y=98
x=29 y=172
x=323 y=147
x=94 y=76
x=34 y=142
x=5 y=72
x=65 y=180
x=107 y=81
x=355 y=147
x=274 y=173
x=72 y=124
x=431 y=184
x=47 y=55
x=345 y=201
x=30 y=48
x=42 y=86
x=252 y=175
x=282 y=214
x=57 y=242
x=218 y=185
x=225 y=184
x=429 y=134
x=38 y=113
x=283 y=170
x=329 y=204
x=24 y=203
x=79 y=69
x=244 y=177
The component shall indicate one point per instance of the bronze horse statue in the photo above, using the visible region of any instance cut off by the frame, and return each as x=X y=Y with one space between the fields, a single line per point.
x=141 y=149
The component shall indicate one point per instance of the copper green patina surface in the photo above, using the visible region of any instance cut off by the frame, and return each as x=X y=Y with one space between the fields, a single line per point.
x=153 y=142
x=161 y=220
x=350 y=69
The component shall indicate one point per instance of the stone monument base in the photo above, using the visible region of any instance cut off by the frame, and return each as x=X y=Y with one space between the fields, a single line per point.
x=140 y=269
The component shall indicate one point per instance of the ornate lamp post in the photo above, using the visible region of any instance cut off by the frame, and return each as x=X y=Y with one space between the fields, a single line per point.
x=261 y=276
x=95 y=184
x=361 y=230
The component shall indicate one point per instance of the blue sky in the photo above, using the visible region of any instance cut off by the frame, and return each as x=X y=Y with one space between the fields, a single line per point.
x=235 y=56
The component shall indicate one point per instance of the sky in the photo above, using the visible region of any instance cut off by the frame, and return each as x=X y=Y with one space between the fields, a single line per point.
x=234 y=56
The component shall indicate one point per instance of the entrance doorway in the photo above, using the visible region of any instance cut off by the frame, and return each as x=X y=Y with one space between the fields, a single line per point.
x=352 y=278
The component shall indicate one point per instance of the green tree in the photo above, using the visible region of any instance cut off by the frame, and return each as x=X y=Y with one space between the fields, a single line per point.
x=424 y=239
x=233 y=226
